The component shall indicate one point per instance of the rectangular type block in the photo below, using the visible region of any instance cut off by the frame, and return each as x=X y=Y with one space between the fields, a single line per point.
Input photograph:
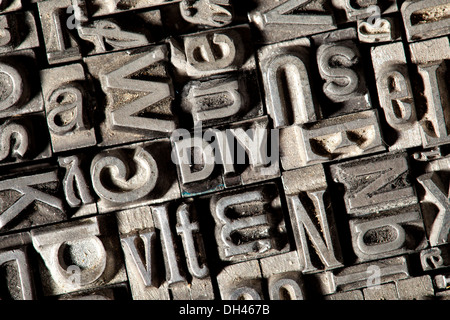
x=78 y=255
x=19 y=32
x=396 y=96
x=389 y=233
x=386 y=291
x=142 y=174
x=139 y=95
x=283 y=274
x=22 y=93
x=212 y=52
x=431 y=58
x=241 y=281
x=69 y=107
x=30 y=199
x=417 y=288
x=341 y=67
x=18 y=281
x=249 y=223
x=290 y=19
x=346 y=296
x=376 y=183
x=332 y=139
x=365 y=275
x=312 y=219
x=286 y=70
x=425 y=19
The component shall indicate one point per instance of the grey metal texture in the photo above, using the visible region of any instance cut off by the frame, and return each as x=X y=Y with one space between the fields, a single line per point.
x=224 y=150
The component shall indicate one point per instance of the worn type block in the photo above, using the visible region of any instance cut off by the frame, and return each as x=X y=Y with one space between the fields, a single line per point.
x=436 y=206
x=396 y=96
x=225 y=156
x=30 y=199
x=78 y=255
x=431 y=58
x=312 y=219
x=69 y=107
x=283 y=274
x=435 y=258
x=286 y=70
x=331 y=139
x=365 y=275
x=349 y=11
x=241 y=281
x=290 y=19
x=60 y=41
x=388 y=233
x=19 y=32
x=376 y=183
x=134 y=175
x=386 y=291
x=341 y=68
x=379 y=30
x=417 y=288
x=139 y=95
x=249 y=223
x=222 y=99
x=213 y=52
x=22 y=93
x=24 y=139
x=76 y=185
x=425 y=19
x=18 y=268
x=211 y=13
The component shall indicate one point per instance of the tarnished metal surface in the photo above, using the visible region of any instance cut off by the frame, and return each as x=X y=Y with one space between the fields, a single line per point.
x=224 y=149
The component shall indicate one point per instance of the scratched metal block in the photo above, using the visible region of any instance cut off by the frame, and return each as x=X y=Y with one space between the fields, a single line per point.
x=431 y=58
x=222 y=99
x=76 y=185
x=386 y=29
x=286 y=71
x=19 y=32
x=24 y=139
x=374 y=184
x=30 y=198
x=435 y=258
x=290 y=19
x=78 y=255
x=364 y=275
x=436 y=206
x=312 y=219
x=139 y=95
x=184 y=275
x=60 y=38
x=18 y=282
x=386 y=291
x=350 y=11
x=10 y=5
x=211 y=13
x=212 y=52
x=425 y=19
x=284 y=278
x=98 y=8
x=331 y=139
x=134 y=175
x=69 y=108
x=396 y=97
x=350 y=295
x=416 y=288
x=249 y=223
x=21 y=81
x=241 y=281
x=341 y=68
x=389 y=233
